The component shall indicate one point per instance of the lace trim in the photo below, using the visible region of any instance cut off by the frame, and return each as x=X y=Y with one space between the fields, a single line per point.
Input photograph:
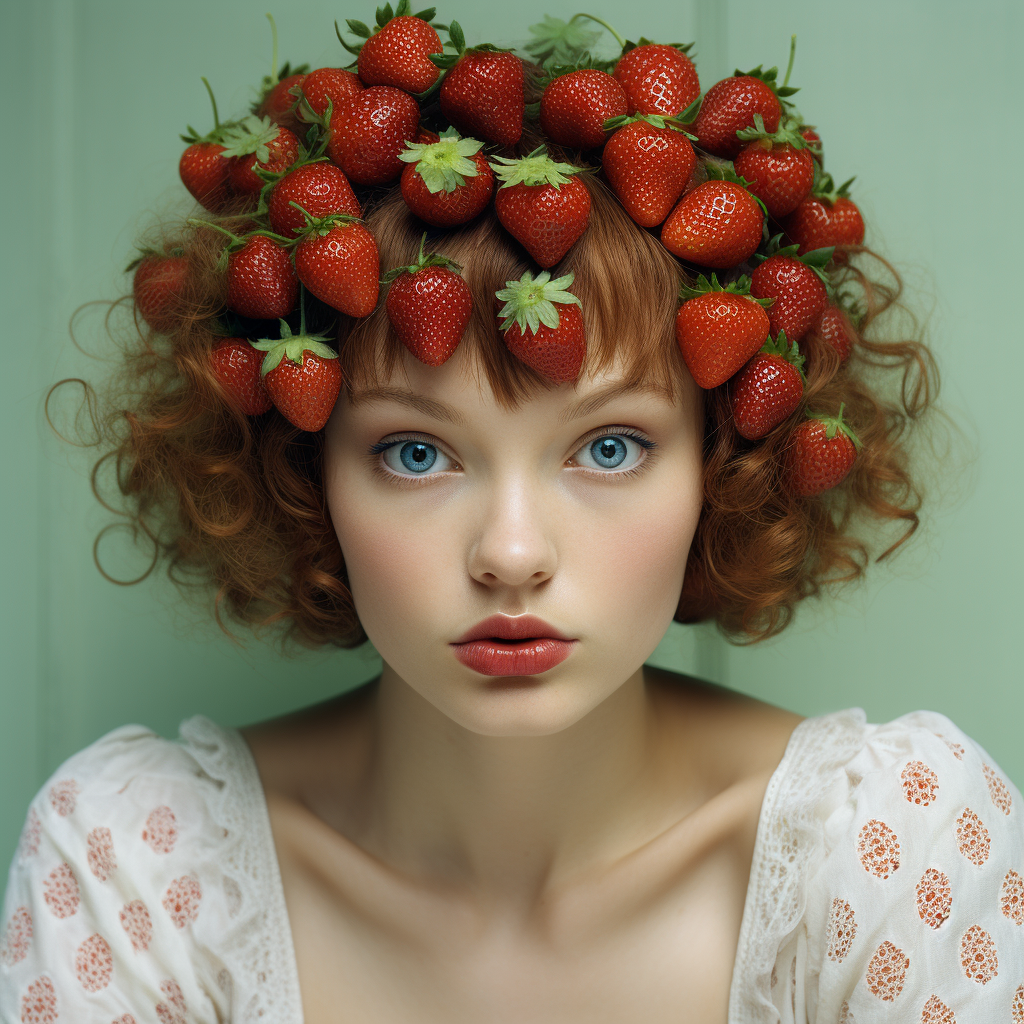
x=788 y=847
x=263 y=978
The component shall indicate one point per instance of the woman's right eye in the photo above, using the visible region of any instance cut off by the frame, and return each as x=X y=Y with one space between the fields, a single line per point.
x=415 y=458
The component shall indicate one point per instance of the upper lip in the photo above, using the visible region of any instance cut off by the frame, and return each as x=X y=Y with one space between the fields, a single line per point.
x=509 y=627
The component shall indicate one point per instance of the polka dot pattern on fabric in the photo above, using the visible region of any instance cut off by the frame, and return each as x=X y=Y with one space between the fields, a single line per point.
x=954 y=748
x=100 y=853
x=1017 y=1006
x=887 y=972
x=845 y=1016
x=920 y=783
x=126 y=1019
x=934 y=898
x=972 y=838
x=94 y=963
x=39 y=1003
x=64 y=796
x=161 y=831
x=60 y=891
x=978 y=955
x=182 y=900
x=28 y=843
x=878 y=849
x=1011 y=897
x=935 y=1011
x=138 y=925
x=997 y=790
x=174 y=1010
x=840 y=931
x=17 y=937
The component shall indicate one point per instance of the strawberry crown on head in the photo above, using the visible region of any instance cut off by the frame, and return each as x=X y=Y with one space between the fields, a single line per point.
x=835 y=425
x=383 y=16
x=703 y=286
x=532 y=301
x=250 y=135
x=824 y=187
x=770 y=77
x=457 y=41
x=817 y=259
x=423 y=260
x=787 y=134
x=293 y=346
x=443 y=165
x=655 y=120
x=277 y=75
x=784 y=348
x=537 y=168
x=192 y=137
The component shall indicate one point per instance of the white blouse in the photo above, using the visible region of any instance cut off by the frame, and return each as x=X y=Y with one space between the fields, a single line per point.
x=886 y=885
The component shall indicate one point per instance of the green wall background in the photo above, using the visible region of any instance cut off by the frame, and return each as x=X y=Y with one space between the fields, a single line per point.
x=919 y=99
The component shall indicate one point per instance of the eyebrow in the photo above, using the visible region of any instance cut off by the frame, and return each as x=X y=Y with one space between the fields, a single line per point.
x=601 y=396
x=428 y=406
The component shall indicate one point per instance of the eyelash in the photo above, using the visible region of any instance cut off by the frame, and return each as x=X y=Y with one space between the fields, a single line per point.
x=377 y=449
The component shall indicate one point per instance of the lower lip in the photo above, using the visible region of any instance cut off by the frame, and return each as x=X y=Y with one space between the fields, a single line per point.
x=514 y=658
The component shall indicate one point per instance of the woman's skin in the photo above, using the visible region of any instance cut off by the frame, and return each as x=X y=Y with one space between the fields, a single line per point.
x=568 y=846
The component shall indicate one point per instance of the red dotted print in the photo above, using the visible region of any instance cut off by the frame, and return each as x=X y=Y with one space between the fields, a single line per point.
x=64 y=795
x=937 y=1012
x=100 y=853
x=60 y=890
x=161 y=831
x=138 y=925
x=879 y=849
x=841 y=929
x=28 y=844
x=17 y=937
x=997 y=789
x=1017 y=1006
x=920 y=783
x=845 y=1017
x=182 y=900
x=94 y=963
x=126 y=1019
x=887 y=972
x=1011 y=897
x=174 y=1010
x=978 y=955
x=933 y=897
x=955 y=749
x=39 y=1003
x=972 y=838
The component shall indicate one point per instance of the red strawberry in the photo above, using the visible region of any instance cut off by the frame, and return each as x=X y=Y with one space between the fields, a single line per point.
x=768 y=389
x=543 y=325
x=813 y=140
x=542 y=203
x=447 y=181
x=826 y=217
x=339 y=263
x=729 y=106
x=482 y=93
x=398 y=53
x=367 y=141
x=319 y=188
x=159 y=286
x=255 y=143
x=302 y=376
x=836 y=328
x=797 y=289
x=334 y=86
x=429 y=305
x=648 y=165
x=719 y=224
x=203 y=168
x=779 y=167
x=261 y=280
x=279 y=100
x=575 y=106
x=822 y=451
x=657 y=79
x=718 y=330
x=236 y=365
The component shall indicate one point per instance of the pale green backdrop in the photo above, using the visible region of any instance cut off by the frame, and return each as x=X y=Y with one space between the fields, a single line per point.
x=921 y=100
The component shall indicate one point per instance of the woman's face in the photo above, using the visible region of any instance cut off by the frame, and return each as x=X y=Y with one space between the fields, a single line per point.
x=577 y=508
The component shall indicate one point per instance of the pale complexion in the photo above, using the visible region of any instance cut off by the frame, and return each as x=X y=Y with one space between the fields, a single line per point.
x=562 y=847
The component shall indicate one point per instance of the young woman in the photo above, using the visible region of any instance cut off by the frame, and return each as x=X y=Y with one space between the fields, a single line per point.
x=518 y=820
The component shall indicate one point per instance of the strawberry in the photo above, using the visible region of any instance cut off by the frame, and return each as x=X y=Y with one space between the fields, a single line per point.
x=429 y=305
x=821 y=453
x=718 y=329
x=447 y=181
x=261 y=280
x=542 y=203
x=657 y=79
x=277 y=97
x=319 y=188
x=797 y=286
x=337 y=260
x=719 y=224
x=367 y=140
x=729 y=106
x=576 y=105
x=836 y=329
x=334 y=86
x=543 y=325
x=648 y=165
x=236 y=365
x=398 y=51
x=203 y=168
x=826 y=217
x=779 y=166
x=302 y=376
x=482 y=93
x=768 y=389
x=258 y=144
x=158 y=287
x=813 y=141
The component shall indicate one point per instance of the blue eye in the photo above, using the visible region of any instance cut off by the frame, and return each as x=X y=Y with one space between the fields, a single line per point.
x=612 y=451
x=414 y=458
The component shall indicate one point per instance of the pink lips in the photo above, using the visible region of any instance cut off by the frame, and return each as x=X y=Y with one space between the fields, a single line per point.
x=505 y=645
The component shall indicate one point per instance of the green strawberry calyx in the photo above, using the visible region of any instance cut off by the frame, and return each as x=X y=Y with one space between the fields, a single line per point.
x=782 y=347
x=703 y=286
x=532 y=301
x=317 y=225
x=457 y=43
x=655 y=120
x=443 y=165
x=217 y=133
x=723 y=170
x=276 y=74
x=292 y=347
x=537 y=168
x=787 y=134
x=250 y=135
x=816 y=259
x=423 y=260
x=770 y=77
x=835 y=425
x=824 y=187
x=384 y=14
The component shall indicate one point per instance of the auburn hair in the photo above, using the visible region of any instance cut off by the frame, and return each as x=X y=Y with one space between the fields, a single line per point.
x=236 y=504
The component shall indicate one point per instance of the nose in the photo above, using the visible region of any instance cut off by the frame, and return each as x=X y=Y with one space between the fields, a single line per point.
x=513 y=546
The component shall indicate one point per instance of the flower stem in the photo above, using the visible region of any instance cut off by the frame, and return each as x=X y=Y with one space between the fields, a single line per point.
x=273 y=59
x=603 y=24
x=216 y=119
x=792 y=54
